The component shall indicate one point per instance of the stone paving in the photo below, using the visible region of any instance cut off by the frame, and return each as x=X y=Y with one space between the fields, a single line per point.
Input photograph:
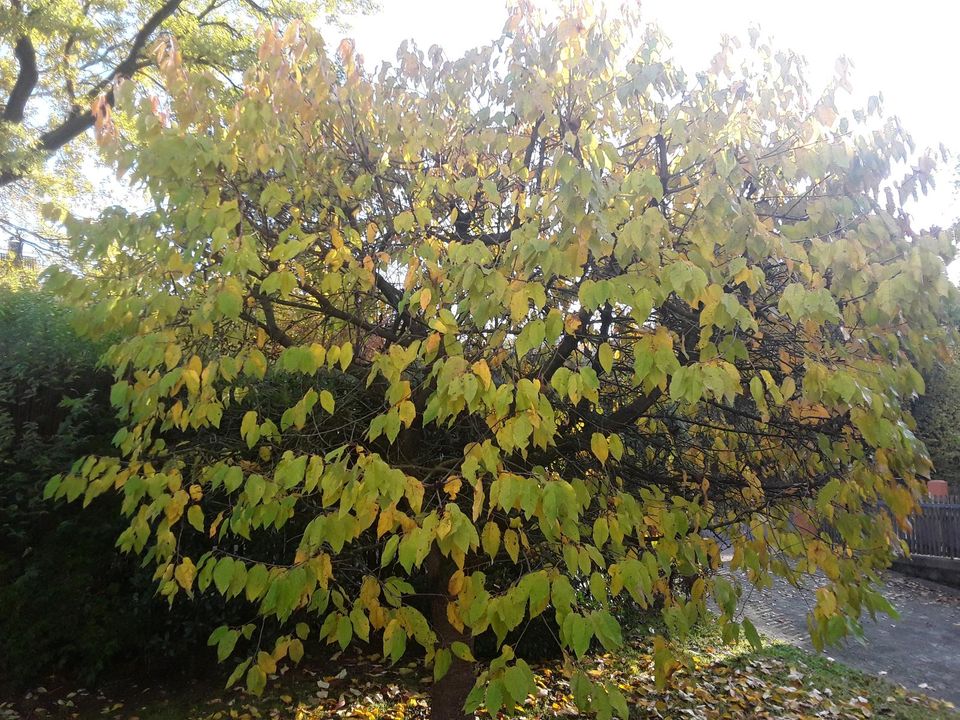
x=920 y=649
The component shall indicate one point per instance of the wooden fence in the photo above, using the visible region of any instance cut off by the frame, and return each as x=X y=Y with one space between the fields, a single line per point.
x=936 y=529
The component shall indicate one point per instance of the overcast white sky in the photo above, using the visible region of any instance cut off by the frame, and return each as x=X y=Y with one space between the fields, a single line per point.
x=906 y=50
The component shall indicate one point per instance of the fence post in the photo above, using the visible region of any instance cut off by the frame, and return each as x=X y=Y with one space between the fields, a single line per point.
x=938 y=489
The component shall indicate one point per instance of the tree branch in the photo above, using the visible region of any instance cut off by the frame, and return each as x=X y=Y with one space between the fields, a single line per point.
x=26 y=81
x=565 y=348
x=328 y=308
x=80 y=121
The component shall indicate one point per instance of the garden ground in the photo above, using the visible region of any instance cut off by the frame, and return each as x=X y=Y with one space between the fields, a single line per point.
x=779 y=681
x=920 y=649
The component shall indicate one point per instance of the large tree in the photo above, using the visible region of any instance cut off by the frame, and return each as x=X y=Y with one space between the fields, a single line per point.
x=60 y=61
x=553 y=306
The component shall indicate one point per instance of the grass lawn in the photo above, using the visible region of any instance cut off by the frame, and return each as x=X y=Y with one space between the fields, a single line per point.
x=718 y=681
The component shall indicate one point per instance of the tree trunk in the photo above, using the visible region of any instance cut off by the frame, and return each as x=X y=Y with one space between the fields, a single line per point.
x=448 y=696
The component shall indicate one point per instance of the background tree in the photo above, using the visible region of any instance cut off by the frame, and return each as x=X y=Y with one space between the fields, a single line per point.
x=938 y=417
x=60 y=62
x=586 y=316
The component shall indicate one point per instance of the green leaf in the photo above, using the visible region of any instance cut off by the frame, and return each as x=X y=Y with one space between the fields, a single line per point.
x=228 y=641
x=361 y=626
x=598 y=588
x=462 y=651
x=441 y=663
x=582 y=633
x=195 y=517
x=255 y=488
x=493 y=700
x=256 y=582
x=607 y=630
x=753 y=637
x=403 y=222
x=532 y=336
x=601 y=531
x=223 y=574
x=233 y=478
x=519 y=682
x=237 y=673
x=389 y=550
x=618 y=702
x=256 y=680
x=249 y=429
x=344 y=631
x=230 y=303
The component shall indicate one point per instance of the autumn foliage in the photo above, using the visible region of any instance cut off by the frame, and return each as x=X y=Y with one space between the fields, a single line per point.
x=556 y=321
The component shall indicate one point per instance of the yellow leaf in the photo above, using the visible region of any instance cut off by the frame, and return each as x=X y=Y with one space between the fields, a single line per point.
x=482 y=371
x=266 y=662
x=600 y=448
x=407 y=412
x=326 y=401
x=615 y=445
x=519 y=306
x=605 y=355
x=511 y=541
x=185 y=573
x=346 y=355
x=215 y=525
x=788 y=388
x=453 y=617
x=414 y=494
x=456 y=583
x=827 y=604
x=452 y=486
x=174 y=509
x=478 y=498
x=490 y=539
x=171 y=356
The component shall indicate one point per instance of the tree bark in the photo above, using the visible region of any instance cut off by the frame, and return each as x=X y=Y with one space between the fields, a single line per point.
x=449 y=694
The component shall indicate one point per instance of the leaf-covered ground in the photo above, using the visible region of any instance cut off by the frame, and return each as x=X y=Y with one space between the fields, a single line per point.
x=718 y=682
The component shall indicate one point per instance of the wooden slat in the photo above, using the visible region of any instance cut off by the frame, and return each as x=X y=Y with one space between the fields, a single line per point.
x=936 y=529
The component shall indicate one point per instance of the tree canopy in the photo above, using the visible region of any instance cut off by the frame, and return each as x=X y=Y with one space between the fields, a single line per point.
x=565 y=321
x=60 y=62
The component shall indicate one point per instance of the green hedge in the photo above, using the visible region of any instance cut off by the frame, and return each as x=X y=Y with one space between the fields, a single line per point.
x=70 y=603
x=938 y=421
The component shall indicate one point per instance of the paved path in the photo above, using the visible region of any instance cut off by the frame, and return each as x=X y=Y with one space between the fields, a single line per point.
x=920 y=649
